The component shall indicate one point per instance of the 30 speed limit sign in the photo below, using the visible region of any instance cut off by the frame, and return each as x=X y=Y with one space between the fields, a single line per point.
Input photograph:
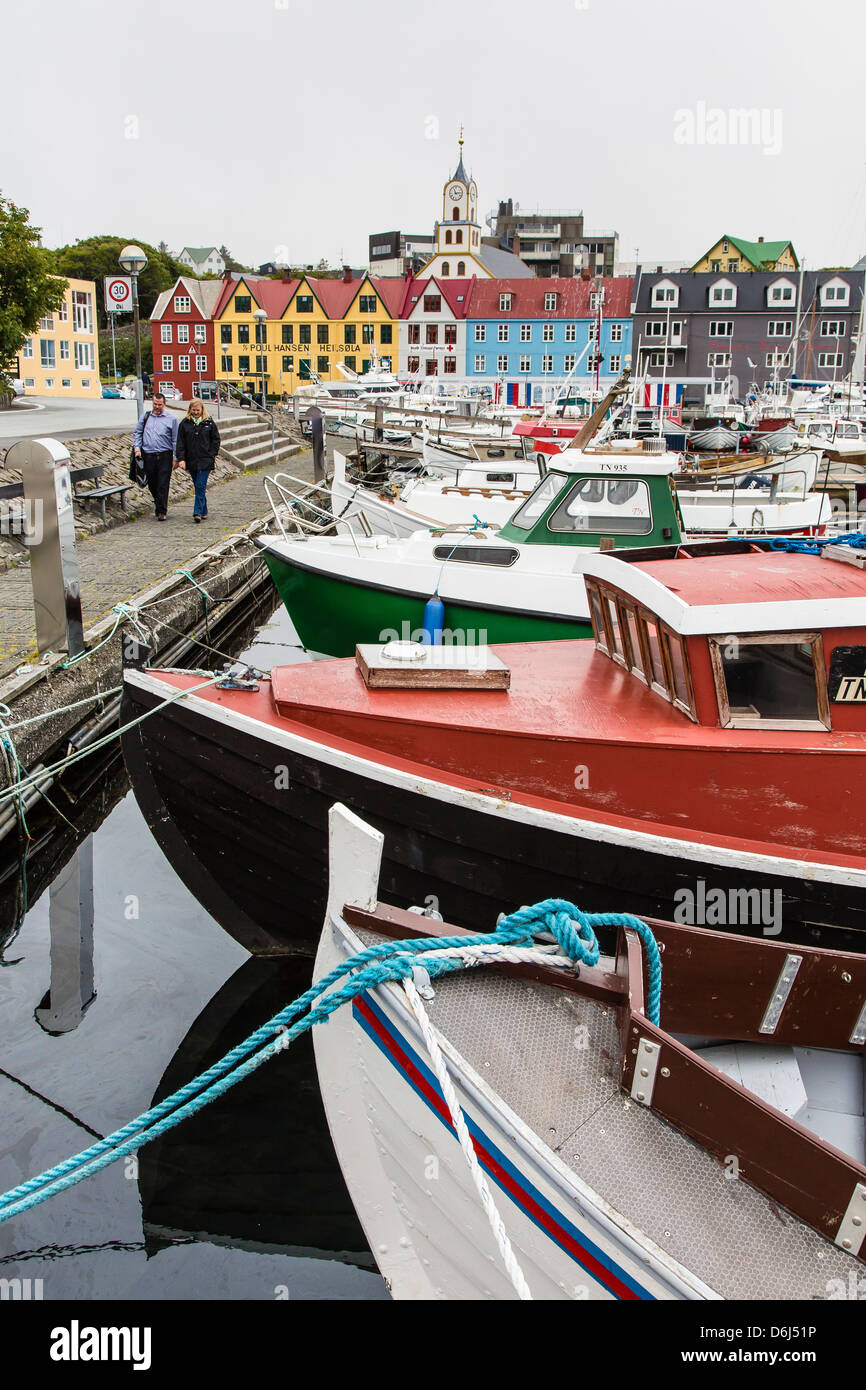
x=118 y=294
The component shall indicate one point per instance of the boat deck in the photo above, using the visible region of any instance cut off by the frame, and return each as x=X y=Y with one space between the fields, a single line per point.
x=737 y=1241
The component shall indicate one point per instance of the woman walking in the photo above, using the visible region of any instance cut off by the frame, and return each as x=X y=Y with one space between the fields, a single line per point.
x=198 y=443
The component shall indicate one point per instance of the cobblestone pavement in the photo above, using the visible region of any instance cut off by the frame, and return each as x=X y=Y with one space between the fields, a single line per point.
x=113 y=565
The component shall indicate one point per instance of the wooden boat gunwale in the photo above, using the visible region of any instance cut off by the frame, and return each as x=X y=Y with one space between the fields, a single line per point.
x=788 y=1163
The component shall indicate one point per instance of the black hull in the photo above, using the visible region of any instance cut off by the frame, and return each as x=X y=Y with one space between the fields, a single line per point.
x=255 y=856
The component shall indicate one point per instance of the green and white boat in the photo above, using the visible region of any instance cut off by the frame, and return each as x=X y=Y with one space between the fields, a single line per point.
x=522 y=583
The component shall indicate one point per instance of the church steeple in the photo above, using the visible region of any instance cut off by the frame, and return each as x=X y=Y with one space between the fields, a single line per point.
x=460 y=171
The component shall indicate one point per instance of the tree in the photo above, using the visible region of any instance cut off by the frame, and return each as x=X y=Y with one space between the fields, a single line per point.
x=28 y=289
x=97 y=256
x=231 y=263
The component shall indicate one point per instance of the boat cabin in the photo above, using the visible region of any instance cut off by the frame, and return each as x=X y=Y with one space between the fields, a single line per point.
x=596 y=501
x=739 y=635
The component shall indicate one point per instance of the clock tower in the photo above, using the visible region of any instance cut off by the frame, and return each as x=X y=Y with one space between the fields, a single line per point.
x=457 y=253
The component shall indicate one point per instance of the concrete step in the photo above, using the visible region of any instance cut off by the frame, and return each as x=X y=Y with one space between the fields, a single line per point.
x=266 y=459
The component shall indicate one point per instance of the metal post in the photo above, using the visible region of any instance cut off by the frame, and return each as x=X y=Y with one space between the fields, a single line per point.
x=113 y=354
x=44 y=465
x=139 y=387
x=71 y=925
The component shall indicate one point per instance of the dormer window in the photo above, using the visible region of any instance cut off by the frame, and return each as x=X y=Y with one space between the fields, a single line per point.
x=835 y=293
x=781 y=292
x=550 y=301
x=723 y=292
x=504 y=303
x=666 y=293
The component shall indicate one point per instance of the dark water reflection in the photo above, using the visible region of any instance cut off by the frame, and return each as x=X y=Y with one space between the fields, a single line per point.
x=244 y=1201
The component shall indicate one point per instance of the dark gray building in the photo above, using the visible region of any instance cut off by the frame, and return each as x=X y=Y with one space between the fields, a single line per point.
x=721 y=335
x=554 y=243
x=394 y=253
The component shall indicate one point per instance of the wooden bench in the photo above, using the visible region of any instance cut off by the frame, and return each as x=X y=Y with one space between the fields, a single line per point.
x=13 y=517
x=99 y=495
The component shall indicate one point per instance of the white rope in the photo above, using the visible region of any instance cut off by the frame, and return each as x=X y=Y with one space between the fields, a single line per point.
x=515 y=1273
x=513 y=955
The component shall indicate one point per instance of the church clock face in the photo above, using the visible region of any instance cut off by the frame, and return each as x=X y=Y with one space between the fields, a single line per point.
x=455 y=192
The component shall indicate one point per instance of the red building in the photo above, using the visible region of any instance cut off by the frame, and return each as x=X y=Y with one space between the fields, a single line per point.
x=182 y=332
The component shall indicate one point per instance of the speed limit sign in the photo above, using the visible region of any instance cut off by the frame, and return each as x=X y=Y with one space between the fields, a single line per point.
x=118 y=294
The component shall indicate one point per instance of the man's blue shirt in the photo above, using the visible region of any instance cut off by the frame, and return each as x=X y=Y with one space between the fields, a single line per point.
x=160 y=434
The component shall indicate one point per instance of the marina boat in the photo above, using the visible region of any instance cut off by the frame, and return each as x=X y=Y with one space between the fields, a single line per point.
x=716 y=1153
x=778 y=497
x=700 y=760
x=521 y=583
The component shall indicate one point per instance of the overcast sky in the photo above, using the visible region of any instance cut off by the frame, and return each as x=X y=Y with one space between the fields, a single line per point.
x=295 y=128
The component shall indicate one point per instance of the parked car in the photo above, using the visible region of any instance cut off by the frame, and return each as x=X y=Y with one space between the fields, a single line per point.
x=110 y=393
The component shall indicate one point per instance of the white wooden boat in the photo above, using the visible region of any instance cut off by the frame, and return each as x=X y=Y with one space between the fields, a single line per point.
x=718 y=1154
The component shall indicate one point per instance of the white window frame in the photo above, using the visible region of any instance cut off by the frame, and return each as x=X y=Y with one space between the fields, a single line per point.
x=526 y=332
x=778 y=359
x=165 y=333
x=63 y=312
x=64 y=350
x=85 y=357
x=502 y=333
x=502 y=362
x=835 y=292
x=547 y=332
x=550 y=301
x=182 y=304
x=833 y=328
x=201 y=363
x=571 y=332
x=718 y=359
x=82 y=311
x=526 y=363
x=167 y=363
x=616 y=332
x=481 y=332
x=780 y=328
x=201 y=332
x=569 y=362
x=613 y=363
x=183 y=333
x=183 y=362
x=547 y=362
x=47 y=354
x=663 y=293
x=480 y=362
x=504 y=303
x=781 y=292
x=718 y=324
x=831 y=359
x=27 y=348
x=723 y=292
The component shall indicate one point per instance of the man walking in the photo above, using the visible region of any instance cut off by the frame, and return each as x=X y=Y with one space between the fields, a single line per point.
x=154 y=440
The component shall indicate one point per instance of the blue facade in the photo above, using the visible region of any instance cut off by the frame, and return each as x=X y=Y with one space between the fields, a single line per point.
x=542 y=352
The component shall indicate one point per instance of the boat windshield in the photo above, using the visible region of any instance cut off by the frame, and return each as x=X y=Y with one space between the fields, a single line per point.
x=537 y=504
x=616 y=506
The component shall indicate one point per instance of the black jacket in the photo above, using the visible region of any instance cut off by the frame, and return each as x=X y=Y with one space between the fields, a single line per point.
x=197 y=445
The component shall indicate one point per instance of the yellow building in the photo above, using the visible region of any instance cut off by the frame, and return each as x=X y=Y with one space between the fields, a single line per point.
x=62 y=357
x=732 y=253
x=311 y=326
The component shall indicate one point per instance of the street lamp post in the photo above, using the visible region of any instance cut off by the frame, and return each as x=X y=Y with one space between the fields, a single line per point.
x=261 y=319
x=134 y=261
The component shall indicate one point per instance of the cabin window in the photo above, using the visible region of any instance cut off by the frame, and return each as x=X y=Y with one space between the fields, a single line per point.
x=613 y=628
x=612 y=506
x=635 y=652
x=678 y=667
x=655 y=660
x=595 y=612
x=476 y=554
x=770 y=681
x=535 y=506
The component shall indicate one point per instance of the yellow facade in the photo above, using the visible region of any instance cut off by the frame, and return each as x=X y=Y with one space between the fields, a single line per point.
x=312 y=325
x=729 y=257
x=62 y=357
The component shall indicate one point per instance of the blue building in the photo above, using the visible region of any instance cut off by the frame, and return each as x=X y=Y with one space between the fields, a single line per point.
x=529 y=335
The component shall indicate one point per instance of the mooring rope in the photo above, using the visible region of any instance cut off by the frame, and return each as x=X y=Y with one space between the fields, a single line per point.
x=387 y=962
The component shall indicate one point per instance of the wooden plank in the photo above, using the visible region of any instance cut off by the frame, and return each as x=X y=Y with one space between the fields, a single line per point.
x=440 y=668
x=845 y=554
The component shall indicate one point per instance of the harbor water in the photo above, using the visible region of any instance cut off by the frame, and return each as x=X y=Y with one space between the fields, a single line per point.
x=243 y=1201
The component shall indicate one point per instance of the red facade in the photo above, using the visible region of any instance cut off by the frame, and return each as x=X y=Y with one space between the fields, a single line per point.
x=182 y=333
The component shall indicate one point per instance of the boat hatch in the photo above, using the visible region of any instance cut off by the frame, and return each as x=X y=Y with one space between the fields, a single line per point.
x=639 y=641
x=771 y=681
x=477 y=554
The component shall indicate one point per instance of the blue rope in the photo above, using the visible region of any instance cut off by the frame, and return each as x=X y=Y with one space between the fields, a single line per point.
x=813 y=545
x=377 y=965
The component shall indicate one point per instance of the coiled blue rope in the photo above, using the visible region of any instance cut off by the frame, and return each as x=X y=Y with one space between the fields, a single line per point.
x=813 y=545
x=377 y=965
